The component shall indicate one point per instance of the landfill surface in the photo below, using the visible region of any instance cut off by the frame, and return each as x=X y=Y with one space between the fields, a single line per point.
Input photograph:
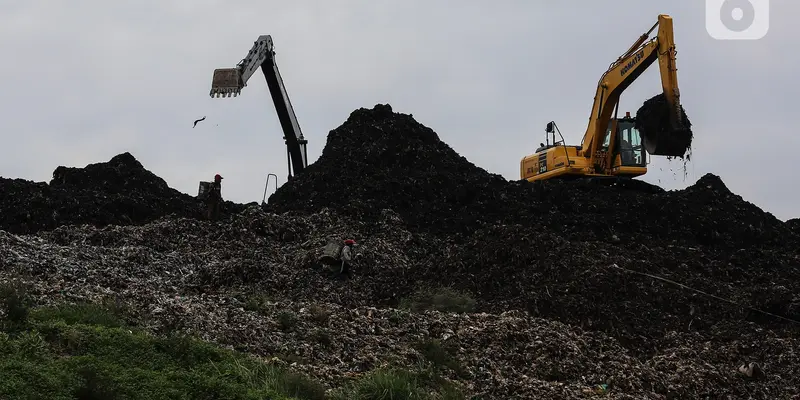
x=655 y=294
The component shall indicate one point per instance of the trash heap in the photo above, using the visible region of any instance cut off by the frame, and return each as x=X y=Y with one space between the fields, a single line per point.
x=794 y=224
x=203 y=278
x=655 y=294
x=382 y=160
x=576 y=252
x=379 y=160
x=120 y=192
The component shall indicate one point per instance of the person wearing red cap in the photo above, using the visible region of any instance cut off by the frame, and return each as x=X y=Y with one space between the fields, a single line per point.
x=342 y=253
x=215 y=198
x=348 y=254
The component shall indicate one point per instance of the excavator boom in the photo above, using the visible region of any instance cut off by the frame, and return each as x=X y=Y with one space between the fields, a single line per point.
x=675 y=144
x=622 y=73
x=228 y=82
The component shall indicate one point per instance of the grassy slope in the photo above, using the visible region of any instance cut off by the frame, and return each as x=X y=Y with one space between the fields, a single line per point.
x=90 y=352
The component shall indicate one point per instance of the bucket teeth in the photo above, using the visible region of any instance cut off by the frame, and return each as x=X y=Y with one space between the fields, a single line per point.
x=226 y=82
x=225 y=92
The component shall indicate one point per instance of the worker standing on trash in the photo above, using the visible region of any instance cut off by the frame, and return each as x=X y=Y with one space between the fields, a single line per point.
x=347 y=254
x=214 y=200
x=339 y=254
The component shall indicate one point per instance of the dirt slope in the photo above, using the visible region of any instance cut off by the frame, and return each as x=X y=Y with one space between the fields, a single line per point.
x=120 y=191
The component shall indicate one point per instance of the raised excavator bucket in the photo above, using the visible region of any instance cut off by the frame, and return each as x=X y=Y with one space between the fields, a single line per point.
x=673 y=143
x=664 y=131
x=662 y=121
x=226 y=82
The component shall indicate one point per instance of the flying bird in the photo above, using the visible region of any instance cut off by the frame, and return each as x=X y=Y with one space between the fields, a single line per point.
x=195 y=122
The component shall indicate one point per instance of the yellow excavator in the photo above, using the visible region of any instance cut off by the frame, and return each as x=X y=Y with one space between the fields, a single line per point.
x=624 y=153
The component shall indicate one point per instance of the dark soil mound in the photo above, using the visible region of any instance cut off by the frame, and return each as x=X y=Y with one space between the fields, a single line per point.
x=712 y=215
x=379 y=159
x=620 y=288
x=122 y=174
x=794 y=224
x=632 y=260
x=653 y=122
x=552 y=247
x=120 y=192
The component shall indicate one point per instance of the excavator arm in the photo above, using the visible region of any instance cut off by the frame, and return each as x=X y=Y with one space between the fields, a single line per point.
x=620 y=75
x=229 y=82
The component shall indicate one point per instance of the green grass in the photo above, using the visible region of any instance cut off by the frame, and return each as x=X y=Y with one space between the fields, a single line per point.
x=90 y=351
x=398 y=384
x=84 y=352
x=440 y=355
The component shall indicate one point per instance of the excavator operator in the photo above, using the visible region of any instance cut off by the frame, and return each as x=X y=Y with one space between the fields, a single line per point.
x=626 y=152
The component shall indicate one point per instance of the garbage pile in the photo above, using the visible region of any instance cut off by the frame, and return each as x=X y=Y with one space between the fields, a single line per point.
x=794 y=224
x=600 y=257
x=394 y=162
x=397 y=164
x=251 y=283
x=634 y=290
x=120 y=191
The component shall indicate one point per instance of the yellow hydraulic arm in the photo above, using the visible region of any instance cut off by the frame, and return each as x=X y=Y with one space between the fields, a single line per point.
x=662 y=129
x=620 y=75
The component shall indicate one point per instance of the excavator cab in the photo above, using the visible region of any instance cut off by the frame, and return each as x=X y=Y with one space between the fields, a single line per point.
x=628 y=143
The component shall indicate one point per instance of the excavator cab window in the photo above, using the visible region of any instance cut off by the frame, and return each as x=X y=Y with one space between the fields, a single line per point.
x=629 y=143
x=631 y=151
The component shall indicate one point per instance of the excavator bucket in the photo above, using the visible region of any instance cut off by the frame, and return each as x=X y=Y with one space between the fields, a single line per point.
x=670 y=143
x=226 y=82
x=664 y=134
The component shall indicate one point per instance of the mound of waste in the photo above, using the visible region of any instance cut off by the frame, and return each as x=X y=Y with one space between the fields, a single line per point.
x=251 y=283
x=794 y=224
x=615 y=287
x=591 y=255
x=379 y=159
x=657 y=294
x=120 y=192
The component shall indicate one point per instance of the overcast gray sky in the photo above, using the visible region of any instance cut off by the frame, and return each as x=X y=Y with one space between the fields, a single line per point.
x=85 y=80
